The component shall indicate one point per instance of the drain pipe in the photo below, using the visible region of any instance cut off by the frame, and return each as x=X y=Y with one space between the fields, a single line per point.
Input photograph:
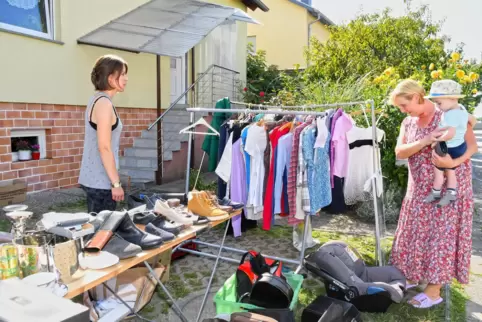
x=309 y=37
x=160 y=154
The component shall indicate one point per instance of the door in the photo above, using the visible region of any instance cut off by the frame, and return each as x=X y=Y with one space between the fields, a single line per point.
x=177 y=79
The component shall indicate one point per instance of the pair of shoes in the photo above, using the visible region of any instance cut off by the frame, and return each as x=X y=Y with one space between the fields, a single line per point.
x=447 y=199
x=228 y=202
x=424 y=302
x=179 y=214
x=158 y=222
x=200 y=203
x=116 y=232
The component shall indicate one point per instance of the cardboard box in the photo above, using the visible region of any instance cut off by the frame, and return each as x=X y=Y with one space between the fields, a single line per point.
x=12 y=192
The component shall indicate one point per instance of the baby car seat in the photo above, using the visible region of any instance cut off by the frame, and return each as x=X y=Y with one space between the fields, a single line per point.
x=346 y=277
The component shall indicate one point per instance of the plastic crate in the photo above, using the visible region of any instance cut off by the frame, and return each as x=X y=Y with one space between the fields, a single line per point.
x=225 y=298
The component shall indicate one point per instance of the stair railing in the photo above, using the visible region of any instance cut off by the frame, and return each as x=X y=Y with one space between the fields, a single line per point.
x=197 y=82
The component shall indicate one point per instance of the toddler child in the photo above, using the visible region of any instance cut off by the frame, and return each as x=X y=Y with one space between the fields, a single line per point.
x=445 y=94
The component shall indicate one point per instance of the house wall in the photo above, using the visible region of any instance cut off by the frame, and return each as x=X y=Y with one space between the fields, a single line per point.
x=318 y=30
x=46 y=85
x=284 y=33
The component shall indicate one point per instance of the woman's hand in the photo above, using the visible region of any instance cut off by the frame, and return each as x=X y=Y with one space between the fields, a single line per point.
x=117 y=194
x=445 y=162
x=433 y=137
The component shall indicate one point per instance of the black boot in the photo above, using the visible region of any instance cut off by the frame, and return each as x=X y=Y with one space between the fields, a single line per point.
x=129 y=231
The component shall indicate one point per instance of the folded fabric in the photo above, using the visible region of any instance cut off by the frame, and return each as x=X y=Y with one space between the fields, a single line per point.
x=105 y=232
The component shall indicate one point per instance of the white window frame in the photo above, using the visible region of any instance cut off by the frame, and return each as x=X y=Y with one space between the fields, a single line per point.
x=49 y=15
x=40 y=134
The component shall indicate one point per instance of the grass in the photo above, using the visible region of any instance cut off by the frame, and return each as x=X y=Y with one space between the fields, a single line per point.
x=5 y=225
x=74 y=206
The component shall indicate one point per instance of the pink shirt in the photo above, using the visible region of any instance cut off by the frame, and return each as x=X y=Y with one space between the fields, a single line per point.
x=340 y=146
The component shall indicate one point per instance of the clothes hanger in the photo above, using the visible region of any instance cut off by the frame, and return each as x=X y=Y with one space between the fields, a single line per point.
x=201 y=121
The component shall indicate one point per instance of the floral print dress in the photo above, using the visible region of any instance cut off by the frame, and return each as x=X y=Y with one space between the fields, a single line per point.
x=433 y=244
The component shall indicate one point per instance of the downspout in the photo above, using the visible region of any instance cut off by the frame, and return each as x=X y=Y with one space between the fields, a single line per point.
x=309 y=38
x=160 y=154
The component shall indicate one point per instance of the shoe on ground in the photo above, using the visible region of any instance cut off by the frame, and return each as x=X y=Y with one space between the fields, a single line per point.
x=200 y=204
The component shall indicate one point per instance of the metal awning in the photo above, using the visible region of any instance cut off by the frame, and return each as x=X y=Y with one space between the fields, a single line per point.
x=163 y=27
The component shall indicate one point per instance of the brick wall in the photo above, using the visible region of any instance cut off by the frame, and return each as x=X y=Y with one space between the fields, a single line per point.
x=64 y=126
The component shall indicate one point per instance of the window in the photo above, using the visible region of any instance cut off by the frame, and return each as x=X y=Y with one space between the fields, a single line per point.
x=32 y=137
x=32 y=17
x=252 y=41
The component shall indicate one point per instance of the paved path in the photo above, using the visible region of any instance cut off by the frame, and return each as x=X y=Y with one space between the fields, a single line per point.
x=474 y=289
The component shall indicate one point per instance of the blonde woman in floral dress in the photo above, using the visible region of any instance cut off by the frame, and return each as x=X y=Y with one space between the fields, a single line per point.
x=431 y=244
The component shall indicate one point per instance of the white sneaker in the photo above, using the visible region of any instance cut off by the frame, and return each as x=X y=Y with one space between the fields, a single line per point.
x=163 y=209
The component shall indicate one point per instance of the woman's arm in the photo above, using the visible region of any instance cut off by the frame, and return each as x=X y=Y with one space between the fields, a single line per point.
x=103 y=118
x=404 y=150
x=447 y=162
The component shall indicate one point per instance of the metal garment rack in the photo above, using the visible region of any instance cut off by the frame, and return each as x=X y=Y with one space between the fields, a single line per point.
x=282 y=110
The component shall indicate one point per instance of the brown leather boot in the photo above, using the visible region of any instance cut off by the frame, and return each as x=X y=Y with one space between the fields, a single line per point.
x=200 y=204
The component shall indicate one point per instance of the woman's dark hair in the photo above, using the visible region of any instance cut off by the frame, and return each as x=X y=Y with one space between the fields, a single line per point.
x=103 y=68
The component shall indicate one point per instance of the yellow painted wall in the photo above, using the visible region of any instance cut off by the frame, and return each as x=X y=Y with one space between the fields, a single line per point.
x=284 y=33
x=36 y=71
x=319 y=30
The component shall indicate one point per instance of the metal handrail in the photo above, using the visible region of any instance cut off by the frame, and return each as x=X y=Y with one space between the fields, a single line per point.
x=200 y=77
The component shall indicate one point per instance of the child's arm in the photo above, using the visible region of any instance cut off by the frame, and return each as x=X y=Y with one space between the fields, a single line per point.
x=447 y=135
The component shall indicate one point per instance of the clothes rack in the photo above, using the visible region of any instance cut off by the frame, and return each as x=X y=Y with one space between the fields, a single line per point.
x=282 y=110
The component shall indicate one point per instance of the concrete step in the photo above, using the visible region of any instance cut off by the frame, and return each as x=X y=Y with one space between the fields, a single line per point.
x=136 y=173
x=152 y=134
x=134 y=162
x=145 y=143
x=172 y=145
x=146 y=153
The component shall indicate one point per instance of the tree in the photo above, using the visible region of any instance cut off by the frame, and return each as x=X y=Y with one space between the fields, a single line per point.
x=262 y=80
x=370 y=43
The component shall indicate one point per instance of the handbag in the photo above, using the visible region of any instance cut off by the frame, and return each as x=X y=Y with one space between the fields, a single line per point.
x=271 y=292
x=250 y=317
x=249 y=271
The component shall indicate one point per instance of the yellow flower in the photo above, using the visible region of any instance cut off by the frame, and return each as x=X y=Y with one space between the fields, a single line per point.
x=432 y=66
x=459 y=66
x=473 y=76
x=455 y=56
x=467 y=79
x=435 y=74
x=441 y=73
x=460 y=74
x=424 y=67
x=474 y=91
x=451 y=60
x=377 y=80
x=388 y=71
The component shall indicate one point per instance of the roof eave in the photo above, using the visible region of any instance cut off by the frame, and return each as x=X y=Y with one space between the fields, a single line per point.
x=315 y=13
x=254 y=4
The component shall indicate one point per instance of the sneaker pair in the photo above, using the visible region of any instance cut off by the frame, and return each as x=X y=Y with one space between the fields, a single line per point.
x=435 y=195
x=179 y=214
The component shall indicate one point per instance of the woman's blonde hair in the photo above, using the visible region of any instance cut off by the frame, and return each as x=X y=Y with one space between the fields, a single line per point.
x=407 y=89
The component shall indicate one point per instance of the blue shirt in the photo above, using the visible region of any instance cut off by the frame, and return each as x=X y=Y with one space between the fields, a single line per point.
x=247 y=157
x=457 y=118
x=283 y=156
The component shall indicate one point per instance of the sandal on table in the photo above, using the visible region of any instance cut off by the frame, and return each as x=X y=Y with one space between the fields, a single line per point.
x=424 y=301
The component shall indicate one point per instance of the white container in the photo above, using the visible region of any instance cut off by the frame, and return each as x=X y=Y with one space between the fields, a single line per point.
x=25 y=155
x=14 y=156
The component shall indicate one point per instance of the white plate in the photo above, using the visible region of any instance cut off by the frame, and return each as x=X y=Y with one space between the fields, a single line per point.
x=11 y=208
x=98 y=260
x=41 y=279
x=19 y=214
